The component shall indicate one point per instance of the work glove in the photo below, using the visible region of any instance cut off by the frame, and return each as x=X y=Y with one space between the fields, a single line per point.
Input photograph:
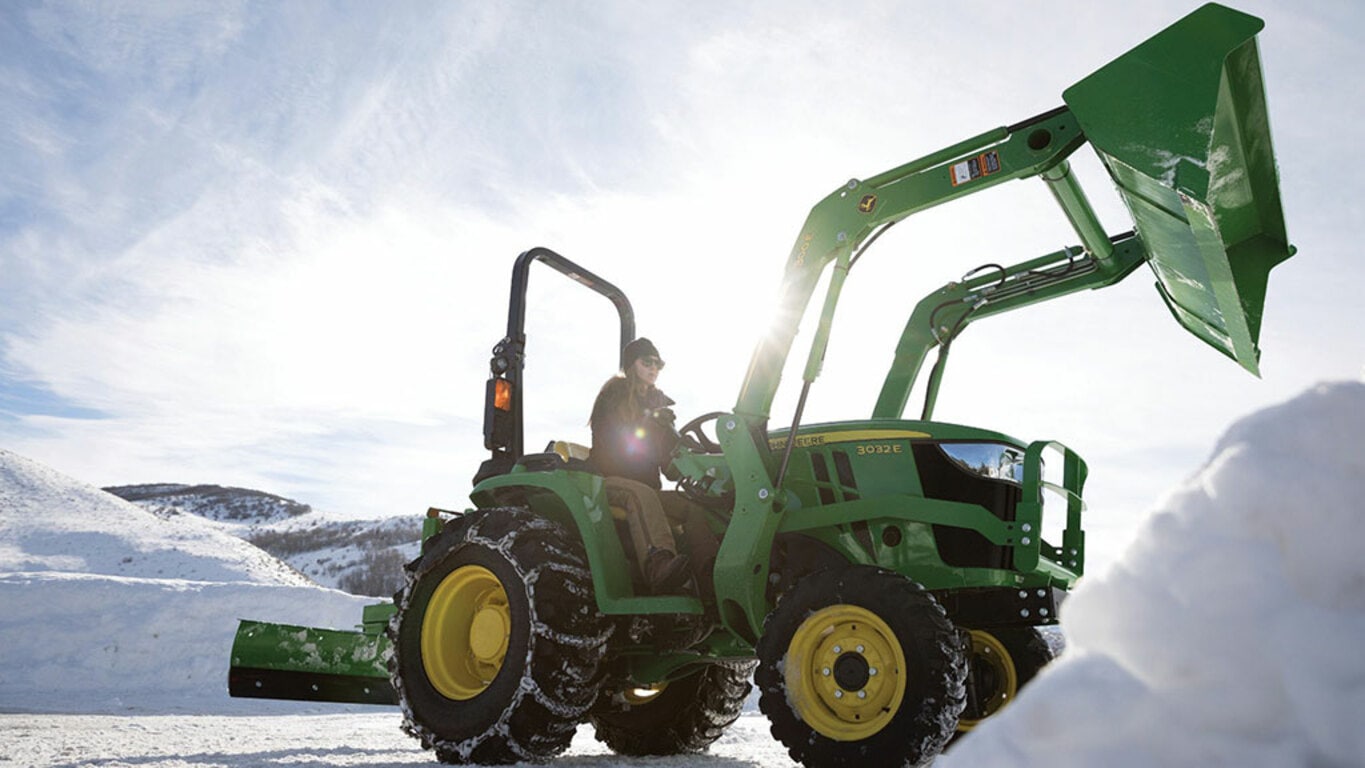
x=664 y=416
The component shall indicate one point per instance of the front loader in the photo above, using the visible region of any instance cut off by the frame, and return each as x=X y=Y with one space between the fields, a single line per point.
x=883 y=580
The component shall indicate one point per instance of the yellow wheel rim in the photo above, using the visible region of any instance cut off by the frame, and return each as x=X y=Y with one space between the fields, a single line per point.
x=992 y=660
x=465 y=632
x=845 y=672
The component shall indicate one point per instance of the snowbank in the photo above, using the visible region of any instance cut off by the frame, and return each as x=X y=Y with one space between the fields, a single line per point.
x=91 y=643
x=50 y=522
x=1229 y=633
x=107 y=607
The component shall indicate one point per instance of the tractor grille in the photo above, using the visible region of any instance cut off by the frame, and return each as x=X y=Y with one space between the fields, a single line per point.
x=843 y=480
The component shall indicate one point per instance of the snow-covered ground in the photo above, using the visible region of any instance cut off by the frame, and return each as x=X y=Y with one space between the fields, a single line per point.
x=1228 y=634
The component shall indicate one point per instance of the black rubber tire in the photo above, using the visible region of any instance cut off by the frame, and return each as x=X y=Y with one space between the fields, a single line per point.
x=933 y=677
x=1027 y=652
x=684 y=718
x=556 y=638
x=1029 y=649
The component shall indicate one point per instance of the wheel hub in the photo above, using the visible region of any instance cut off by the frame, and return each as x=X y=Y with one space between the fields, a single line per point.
x=488 y=634
x=851 y=672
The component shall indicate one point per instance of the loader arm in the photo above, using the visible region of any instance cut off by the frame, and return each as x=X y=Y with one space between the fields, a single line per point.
x=845 y=219
x=1180 y=122
x=939 y=317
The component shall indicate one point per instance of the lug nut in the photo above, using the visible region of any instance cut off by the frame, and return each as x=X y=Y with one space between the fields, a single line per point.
x=825 y=671
x=862 y=694
x=838 y=694
x=871 y=671
x=838 y=649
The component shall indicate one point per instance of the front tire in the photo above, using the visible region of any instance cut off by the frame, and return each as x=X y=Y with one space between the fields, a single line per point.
x=497 y=640
x=859 y=666
x=683 y=716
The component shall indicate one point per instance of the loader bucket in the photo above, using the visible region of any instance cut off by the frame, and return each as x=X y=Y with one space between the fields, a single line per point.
x=1180 y=121
x=282 y=661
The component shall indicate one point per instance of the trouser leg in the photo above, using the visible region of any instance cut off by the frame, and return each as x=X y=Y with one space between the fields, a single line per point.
x=702 y=544
x=645 y=518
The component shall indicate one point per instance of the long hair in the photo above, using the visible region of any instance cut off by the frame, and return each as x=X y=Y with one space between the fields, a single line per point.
x=620 y=397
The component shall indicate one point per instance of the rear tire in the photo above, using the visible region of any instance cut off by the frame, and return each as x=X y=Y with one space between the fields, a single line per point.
x=684 y=717
x=860 y=666
x=497 y=640
x=1029 y=648
x=1001 y=662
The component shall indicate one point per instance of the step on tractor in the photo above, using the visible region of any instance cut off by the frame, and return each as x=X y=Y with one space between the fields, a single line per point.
x=883 y=581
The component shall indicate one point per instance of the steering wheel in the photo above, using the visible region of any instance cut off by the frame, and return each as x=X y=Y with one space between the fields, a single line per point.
x=696 y=440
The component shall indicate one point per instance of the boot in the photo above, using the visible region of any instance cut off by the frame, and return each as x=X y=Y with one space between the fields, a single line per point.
x=665 y=571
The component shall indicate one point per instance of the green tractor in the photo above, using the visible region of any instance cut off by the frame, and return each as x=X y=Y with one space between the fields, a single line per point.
x=884 y=581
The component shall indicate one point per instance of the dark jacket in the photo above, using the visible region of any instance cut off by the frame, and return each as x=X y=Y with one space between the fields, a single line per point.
x=634 y=447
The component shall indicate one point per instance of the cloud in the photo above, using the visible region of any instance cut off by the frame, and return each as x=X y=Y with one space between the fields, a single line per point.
x=273 y=242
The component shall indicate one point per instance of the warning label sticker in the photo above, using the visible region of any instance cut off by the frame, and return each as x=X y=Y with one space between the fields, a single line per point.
x=974 y=168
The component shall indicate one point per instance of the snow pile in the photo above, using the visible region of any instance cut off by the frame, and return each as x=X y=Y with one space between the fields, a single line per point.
x=109 y=607
x=49 y=522
x=83 y=643
x=1230 y=632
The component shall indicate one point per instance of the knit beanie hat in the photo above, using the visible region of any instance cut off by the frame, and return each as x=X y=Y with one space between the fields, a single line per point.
x=637 y=349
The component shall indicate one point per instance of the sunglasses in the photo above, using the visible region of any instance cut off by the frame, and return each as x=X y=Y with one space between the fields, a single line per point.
x=653 y=362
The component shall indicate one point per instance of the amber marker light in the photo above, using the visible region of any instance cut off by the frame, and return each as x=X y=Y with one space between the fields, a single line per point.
x=502 y=394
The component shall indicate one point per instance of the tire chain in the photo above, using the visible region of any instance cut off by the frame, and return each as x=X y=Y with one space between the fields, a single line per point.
x=573 y=642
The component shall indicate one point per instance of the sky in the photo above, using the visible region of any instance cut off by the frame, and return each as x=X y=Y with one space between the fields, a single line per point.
x=270 y=246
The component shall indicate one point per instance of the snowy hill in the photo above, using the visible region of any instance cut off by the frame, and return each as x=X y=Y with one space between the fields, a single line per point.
x=49 y=522
x=211 y=502
x=363 y=557
x=109 y=607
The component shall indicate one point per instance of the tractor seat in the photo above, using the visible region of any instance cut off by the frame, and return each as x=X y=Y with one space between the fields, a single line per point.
x=559 y=454
x=569 y=452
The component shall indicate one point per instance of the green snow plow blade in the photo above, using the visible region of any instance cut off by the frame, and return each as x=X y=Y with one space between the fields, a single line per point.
x=1181 y=123
x=281 y=661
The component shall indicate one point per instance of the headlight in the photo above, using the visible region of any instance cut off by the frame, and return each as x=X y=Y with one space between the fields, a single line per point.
x=993 y=460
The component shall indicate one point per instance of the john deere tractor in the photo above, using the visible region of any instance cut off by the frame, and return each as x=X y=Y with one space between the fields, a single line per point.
x=883 y=580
